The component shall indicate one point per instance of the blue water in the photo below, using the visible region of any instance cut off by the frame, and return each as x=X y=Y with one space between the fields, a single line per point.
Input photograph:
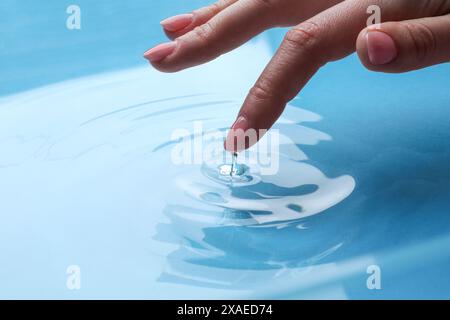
x=86 y=176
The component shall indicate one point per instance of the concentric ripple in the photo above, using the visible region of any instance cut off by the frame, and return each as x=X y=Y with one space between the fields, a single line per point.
x=96 y=156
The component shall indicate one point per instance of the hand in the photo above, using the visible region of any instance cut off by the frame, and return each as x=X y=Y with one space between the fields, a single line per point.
x=413 y=35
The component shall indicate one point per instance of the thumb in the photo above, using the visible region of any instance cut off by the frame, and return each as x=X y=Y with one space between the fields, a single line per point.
x=406 y=45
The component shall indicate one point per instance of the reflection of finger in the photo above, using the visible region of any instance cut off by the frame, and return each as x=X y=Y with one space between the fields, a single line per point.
x=406 y=45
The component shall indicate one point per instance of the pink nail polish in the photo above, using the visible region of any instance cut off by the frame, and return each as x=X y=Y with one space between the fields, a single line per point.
x=178 y=22
x=381 y=47
x=236 y=138
x=160 y=52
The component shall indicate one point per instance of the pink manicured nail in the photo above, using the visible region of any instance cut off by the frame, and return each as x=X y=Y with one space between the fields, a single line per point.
x=236 y=138
x=381 y=47
x=178 y=22
x=160 y=51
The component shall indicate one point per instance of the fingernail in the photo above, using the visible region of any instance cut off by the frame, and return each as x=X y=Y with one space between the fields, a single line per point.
x=159 y=52
x=381 y=47
x=178 y=22
x=236 y=138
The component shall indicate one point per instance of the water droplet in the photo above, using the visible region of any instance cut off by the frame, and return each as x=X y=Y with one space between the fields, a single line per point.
x=233 y=169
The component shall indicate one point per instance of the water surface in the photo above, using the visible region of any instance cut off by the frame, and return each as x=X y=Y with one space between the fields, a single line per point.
x=87 y=178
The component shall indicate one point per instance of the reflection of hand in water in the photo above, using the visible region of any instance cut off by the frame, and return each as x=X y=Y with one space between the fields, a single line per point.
x=326 y=30
x=239 y=257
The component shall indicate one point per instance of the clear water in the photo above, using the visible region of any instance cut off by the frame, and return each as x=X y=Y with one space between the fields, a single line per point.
x=87 y=178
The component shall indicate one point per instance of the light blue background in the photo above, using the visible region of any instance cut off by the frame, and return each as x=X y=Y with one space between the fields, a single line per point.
x=390 y=132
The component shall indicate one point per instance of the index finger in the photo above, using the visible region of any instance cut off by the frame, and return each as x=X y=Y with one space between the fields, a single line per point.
x=328 y=36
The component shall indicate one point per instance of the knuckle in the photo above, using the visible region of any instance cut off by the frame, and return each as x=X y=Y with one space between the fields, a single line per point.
x=304 y=36
x=216 y=7
x=422 y=38
x=203 y=32
x=219 y=5
x=263 y=90
x=260 y=91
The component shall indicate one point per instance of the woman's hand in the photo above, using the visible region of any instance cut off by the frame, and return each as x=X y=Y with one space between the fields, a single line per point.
x=414 y=34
